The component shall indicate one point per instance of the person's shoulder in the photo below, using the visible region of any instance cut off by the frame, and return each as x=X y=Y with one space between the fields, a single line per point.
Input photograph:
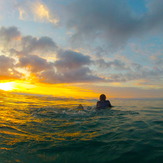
x=108 y=102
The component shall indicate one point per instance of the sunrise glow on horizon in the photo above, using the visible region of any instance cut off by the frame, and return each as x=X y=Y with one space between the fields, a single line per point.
x=7 y=86
x=82 y=48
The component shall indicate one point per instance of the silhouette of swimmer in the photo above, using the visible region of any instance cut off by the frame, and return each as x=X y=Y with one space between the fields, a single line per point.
x=103 y=103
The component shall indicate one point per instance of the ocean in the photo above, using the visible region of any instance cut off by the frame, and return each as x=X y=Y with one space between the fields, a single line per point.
x=42 y=129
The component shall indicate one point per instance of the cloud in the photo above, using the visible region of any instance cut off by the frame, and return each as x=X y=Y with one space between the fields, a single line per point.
x=154 y=19
x=115 y=64
x=34 y=63
x=43 y=44
x=71 y=60
x=112 y=23
x=108 y=24
x=70 y=67
x=138 y=74
x=37 y=11
x=9 y=34
x=30 y=54
x=80 y=75
x=121 y=69
x=13 y=41
x=7 y=68
x=23 y=51
x=158 y=61
x=95 y=22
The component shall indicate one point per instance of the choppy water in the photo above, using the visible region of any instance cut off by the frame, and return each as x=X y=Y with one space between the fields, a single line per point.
x=47 y=130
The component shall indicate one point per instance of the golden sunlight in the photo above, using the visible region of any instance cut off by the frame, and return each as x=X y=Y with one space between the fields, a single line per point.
x=57 y=90
x=7 y=86
x=43 y=13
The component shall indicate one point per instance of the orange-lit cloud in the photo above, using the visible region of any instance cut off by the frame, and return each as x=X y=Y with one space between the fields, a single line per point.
x=36 y=10
x=27 y=53
x=7 y=68
x=24 y=59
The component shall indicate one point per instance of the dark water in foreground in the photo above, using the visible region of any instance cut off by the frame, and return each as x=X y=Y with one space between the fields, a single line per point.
x=47 y=130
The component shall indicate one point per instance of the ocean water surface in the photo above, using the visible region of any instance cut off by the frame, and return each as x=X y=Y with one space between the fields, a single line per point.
x=47 y=129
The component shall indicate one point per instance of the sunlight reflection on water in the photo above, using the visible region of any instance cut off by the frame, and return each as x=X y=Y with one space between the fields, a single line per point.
x=49 y=129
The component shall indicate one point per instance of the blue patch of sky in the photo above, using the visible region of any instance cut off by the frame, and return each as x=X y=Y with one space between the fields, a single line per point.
x=138 y=6
x=154 y=44
x=140 y=51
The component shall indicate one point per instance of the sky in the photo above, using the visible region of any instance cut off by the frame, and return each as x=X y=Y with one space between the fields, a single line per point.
x=82 y=48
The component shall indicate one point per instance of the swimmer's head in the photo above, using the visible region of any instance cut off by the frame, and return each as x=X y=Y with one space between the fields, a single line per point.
x=102 y=97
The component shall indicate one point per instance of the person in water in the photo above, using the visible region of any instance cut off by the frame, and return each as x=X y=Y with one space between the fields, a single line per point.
x=103 y=103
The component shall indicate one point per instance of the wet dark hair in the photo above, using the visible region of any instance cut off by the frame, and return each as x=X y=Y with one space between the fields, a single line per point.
x=102 y=97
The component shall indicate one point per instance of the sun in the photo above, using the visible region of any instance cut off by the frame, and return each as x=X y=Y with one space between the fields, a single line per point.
x=7 y=86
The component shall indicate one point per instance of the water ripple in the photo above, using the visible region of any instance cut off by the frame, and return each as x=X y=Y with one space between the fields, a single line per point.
x=43 y=130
